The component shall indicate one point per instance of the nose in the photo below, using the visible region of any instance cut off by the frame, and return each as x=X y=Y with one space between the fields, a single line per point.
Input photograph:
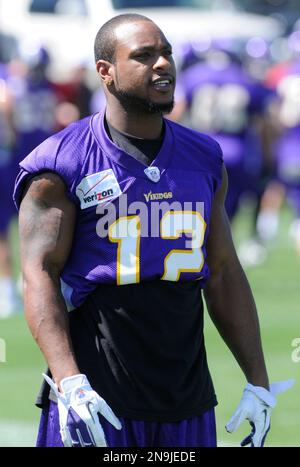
x=162 y=63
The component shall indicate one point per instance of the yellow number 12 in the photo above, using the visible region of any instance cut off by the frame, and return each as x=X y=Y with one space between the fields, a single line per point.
x=126 y=232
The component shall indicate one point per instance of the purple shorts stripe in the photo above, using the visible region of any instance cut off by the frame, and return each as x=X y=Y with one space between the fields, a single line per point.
x=195 y=432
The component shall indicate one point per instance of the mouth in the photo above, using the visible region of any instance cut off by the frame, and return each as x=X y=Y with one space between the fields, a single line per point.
x=163 y=84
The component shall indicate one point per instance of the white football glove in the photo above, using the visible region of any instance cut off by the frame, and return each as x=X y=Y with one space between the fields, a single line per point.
x=78 y=408
x=256 y=406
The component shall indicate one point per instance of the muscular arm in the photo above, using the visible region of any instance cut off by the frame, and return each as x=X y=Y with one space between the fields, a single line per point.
x=229 y=299
x=46 y=225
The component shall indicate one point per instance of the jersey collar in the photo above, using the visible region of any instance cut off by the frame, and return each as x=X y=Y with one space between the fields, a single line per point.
x=124 y=159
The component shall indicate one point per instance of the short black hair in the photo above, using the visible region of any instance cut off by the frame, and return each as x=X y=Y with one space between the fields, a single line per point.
x=105 y=41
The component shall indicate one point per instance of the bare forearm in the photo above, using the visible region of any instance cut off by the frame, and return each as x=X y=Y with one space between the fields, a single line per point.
x=47 y=318
x=232 y=308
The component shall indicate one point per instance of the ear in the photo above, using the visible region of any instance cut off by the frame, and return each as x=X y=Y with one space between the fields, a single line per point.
x=105 y=71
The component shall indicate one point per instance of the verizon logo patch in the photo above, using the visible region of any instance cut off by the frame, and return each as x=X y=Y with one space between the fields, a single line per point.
x=98 y=188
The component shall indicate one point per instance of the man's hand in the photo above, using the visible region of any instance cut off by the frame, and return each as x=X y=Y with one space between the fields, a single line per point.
x=78 y=407
x=256 y=406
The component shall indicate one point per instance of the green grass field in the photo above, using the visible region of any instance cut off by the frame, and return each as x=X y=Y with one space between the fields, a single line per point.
x=276 y=287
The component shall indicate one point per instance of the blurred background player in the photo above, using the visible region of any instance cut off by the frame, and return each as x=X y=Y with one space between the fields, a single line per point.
x=222 y=99
x=284 y=78
x=29 y=118
x=8 y=298
x=35 y=100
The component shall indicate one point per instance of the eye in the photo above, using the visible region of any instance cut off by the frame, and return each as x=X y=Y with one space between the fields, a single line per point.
x=142 y=55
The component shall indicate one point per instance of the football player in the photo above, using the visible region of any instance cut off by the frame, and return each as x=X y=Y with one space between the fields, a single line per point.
x=285 y=79
x=224 y=101
x=122 y=222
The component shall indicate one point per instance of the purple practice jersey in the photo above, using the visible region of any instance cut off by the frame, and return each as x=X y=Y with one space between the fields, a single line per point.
x=222 y=100
x=34 y=113
x=134 y=223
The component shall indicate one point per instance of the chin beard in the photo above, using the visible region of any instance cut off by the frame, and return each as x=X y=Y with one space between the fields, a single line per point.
x=134 y=104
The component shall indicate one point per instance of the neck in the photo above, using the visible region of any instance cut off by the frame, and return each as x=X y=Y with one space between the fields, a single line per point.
x=141 y=126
